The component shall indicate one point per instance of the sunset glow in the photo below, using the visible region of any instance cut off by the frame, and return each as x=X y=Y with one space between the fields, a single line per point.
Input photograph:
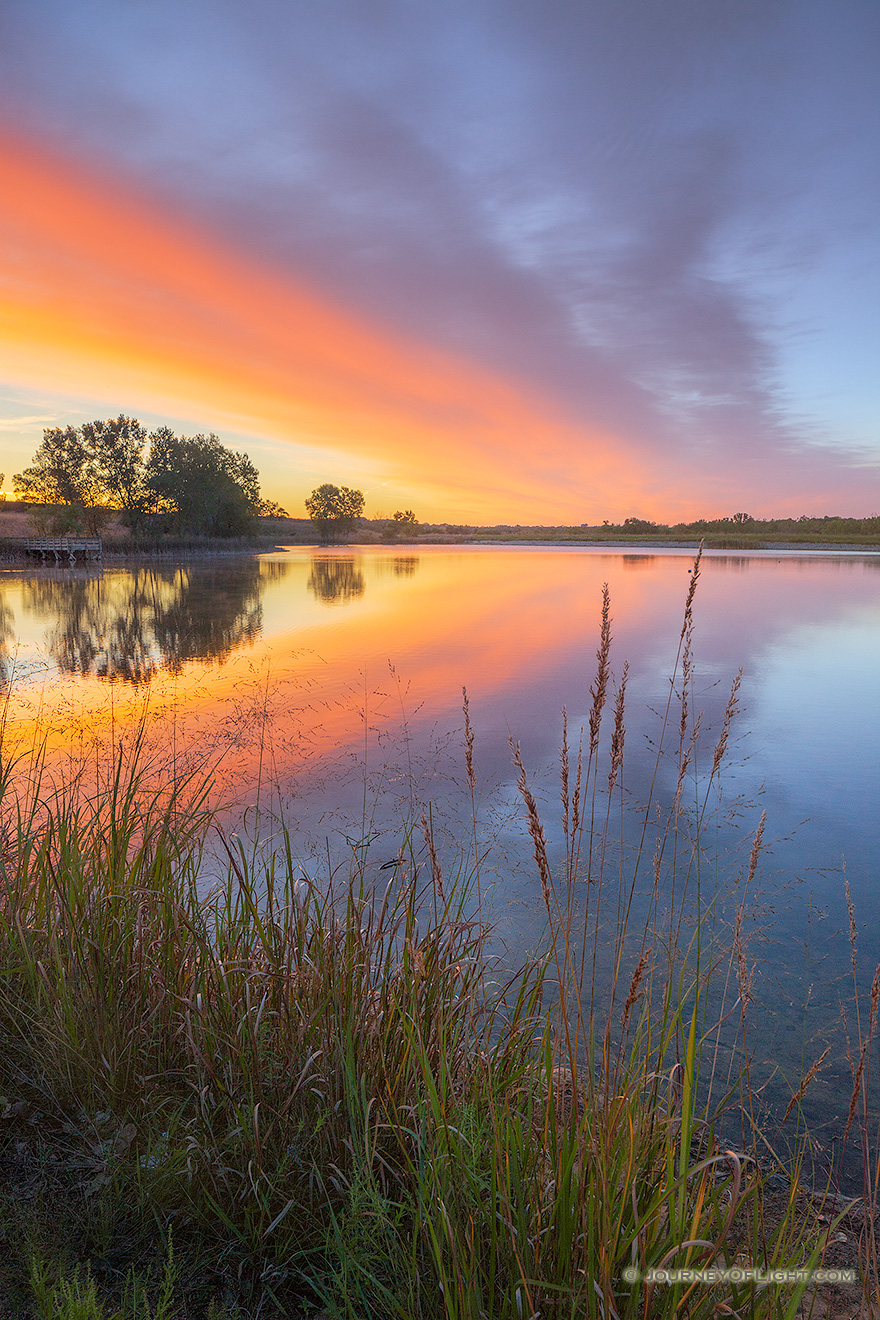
x=490 y=270
x=107 y=290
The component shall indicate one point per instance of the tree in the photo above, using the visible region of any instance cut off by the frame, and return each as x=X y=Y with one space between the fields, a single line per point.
x=271 y=509
x=199 y=486
x=190 y=484
x=403 y=523
x=116 y=452
x=88 y=471
x=334 y=510
x=64 y=473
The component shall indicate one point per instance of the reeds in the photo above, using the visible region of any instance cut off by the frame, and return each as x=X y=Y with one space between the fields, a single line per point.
x=337 y=1093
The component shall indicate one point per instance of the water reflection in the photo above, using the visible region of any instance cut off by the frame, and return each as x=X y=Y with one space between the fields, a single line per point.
x=734 y=563
x=126 y=626
x=335 y=581
x=274 y=569
x=7 y=640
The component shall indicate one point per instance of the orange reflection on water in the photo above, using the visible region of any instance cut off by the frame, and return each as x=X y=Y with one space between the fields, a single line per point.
x=331 y=623
x=273 y=662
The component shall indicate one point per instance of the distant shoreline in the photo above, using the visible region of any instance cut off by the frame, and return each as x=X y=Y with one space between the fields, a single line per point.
x=843 y=535
x=570 y=543
x=14 y=555
x=873 y=548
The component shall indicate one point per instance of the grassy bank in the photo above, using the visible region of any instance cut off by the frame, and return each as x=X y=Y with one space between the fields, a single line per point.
x=306 y=1094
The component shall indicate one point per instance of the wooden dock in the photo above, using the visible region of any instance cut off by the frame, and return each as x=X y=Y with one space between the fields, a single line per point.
x=89 y=547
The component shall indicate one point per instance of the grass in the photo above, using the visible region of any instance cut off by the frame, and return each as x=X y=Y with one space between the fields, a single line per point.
x=297 y=1095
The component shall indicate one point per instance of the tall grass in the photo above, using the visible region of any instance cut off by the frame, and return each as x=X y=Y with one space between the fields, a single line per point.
x=336 y=1092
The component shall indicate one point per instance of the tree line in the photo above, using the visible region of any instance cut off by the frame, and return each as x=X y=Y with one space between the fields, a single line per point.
x=156 y=482
x=744 y=524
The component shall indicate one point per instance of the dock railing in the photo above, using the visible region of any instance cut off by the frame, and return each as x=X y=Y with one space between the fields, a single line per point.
x=90 y=547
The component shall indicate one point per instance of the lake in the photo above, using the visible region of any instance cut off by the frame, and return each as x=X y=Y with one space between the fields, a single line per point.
x=328 y=686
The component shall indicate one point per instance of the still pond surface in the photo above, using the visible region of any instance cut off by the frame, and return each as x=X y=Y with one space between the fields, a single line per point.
x=329 y=684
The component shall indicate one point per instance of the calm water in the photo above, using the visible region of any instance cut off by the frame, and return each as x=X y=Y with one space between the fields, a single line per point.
x=331 y=684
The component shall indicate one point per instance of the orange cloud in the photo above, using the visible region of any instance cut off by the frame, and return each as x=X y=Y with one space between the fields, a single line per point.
x=106 y=295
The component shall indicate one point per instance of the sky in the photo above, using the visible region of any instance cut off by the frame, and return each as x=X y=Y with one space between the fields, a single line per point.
x=525 y=261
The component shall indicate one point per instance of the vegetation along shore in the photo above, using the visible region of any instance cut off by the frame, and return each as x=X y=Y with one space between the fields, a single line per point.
x=145 y=494
x=294 y=1093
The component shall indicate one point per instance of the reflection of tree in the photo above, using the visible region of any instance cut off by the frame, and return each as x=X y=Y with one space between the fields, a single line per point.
x=405 y=565
x=7 y=635
x=96 y=628
x=335 y=581
x=274 y=569
x=128 y=625
x=216 y=611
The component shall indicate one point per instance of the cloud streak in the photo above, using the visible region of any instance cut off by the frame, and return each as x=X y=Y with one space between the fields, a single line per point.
x=605 y=211
x=104 y=283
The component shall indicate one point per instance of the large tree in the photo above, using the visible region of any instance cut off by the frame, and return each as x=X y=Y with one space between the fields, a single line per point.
x=64 y=472
x=200 y=486
x=335 y=510
x=117 y=453
x=186 y=484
